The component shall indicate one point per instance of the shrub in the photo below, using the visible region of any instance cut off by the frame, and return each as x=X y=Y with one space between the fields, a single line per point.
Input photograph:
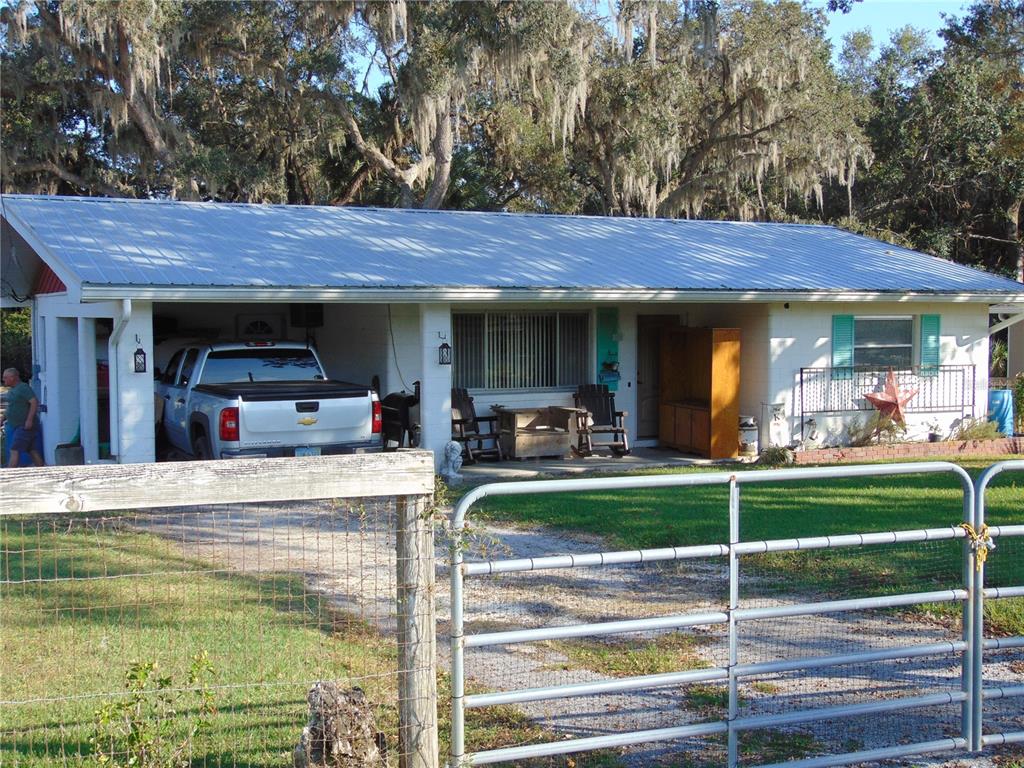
x=153 y=724
x=877 y=429
x=16 y=341
x=976 y=429
x=998 y=352
x=776 y=456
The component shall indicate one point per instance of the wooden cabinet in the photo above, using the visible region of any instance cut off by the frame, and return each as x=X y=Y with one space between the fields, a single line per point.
x=700 y=386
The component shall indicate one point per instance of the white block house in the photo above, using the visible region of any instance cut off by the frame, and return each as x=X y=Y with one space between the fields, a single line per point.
x=532 y=306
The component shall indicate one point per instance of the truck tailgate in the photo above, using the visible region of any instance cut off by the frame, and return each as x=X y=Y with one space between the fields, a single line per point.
x=299 y=413
x=321 y=421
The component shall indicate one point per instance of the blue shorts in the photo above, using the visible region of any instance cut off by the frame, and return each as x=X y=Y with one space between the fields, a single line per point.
x=23 y=439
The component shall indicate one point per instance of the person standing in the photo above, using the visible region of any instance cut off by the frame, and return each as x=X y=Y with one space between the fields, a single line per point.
x=21 y=423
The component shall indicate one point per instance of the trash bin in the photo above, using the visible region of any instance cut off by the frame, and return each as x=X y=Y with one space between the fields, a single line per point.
x=1000 y=409
x=69 y=455
x=748 y=436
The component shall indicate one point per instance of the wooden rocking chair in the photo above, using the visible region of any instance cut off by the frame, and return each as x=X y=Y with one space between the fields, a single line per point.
x=597 y=416
x=472 y=431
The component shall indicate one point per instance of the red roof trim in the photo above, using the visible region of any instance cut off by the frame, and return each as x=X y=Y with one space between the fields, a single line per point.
x=48 y=282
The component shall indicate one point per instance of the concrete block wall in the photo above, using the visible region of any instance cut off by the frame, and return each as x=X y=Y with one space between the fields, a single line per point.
x=800 y=336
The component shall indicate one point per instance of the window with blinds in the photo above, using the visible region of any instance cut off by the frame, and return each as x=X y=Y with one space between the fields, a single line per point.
x=520 y=350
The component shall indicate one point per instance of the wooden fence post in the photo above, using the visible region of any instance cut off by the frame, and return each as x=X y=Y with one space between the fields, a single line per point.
x=417 y=635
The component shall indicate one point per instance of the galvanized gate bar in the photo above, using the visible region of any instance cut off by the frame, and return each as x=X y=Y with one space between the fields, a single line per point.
x=856 y=604
x=569 y=746
x=1006 y=530
x=978 y=618
x=1000 y=643
x=1003 y=592
x=594 y=559
x=998 y=739
x=850 y=540
x=595 y=630
x=626 y=557
x=872 y=755
x=848 y=710
x=1004 y=692
x=818 y=662
x=617 y=685
x=459 y=642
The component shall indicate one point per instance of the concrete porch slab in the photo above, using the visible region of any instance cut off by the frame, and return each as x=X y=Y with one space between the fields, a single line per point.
x=601 y=463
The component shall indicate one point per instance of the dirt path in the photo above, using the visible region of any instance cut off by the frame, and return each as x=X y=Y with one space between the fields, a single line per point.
x=348 y=556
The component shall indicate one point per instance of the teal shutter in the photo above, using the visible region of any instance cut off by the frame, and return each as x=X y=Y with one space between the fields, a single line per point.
x=608 y=347
x=842 y=346
x=929 y=345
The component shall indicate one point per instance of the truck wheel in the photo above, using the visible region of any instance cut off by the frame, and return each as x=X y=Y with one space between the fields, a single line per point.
x=201 y=447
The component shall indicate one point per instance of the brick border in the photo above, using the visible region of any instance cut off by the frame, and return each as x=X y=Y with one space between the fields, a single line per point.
x=888 y=451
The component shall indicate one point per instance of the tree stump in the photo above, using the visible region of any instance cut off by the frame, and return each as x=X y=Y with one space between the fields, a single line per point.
x=341 y=732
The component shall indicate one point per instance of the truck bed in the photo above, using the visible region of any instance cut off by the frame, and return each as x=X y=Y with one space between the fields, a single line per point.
x=285 y=390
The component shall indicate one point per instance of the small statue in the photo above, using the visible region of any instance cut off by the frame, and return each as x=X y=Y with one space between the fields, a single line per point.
x=452 y=463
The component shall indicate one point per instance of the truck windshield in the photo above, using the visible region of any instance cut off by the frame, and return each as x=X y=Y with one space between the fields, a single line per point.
x=230 y=366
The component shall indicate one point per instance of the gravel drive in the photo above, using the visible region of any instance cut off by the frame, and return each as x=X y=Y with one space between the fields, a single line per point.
x=348 y=556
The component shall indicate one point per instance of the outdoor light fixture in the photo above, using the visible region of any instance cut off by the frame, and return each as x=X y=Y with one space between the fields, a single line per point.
x=444 y=354
x=140 y=360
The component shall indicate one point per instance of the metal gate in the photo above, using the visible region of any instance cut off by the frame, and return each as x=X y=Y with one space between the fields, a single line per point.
x=994 y=584
x=965 y=694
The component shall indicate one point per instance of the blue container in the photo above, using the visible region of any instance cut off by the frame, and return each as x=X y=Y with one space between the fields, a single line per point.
x=1000 y=409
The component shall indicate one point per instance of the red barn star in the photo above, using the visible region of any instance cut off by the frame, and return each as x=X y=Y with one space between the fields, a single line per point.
x=891 y=400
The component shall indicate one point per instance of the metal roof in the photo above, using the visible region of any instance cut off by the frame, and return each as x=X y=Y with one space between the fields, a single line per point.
x=163 y=245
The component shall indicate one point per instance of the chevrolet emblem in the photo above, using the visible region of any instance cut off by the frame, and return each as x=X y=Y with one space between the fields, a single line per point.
x=307 y=421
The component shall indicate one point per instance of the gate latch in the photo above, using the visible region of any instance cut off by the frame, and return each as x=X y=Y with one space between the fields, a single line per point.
x=981 y=543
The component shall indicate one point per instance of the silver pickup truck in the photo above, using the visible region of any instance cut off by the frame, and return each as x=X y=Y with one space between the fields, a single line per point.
x=262 y=399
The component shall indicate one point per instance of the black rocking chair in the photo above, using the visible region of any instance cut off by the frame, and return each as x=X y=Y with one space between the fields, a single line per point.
x=472 y=431
x=597 y=416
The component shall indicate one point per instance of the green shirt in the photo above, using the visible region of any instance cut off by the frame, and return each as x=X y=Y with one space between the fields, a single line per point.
x=18 y=399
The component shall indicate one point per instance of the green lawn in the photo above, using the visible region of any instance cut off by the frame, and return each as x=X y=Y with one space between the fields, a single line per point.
x=66 y=644
x=689 y=516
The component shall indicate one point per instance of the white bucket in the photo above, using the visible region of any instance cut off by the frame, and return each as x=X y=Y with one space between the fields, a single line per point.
x=748 y=436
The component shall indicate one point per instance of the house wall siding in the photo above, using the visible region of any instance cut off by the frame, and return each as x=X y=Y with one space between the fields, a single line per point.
x=800 y=336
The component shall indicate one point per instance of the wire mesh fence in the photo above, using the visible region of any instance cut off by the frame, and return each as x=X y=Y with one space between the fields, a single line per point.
x=193 y=635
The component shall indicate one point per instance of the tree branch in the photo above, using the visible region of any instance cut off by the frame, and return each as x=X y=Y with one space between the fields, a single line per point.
x=970 y=236
x=443 y=145
x=372 y=155
x=64 y=174
x=349 y=193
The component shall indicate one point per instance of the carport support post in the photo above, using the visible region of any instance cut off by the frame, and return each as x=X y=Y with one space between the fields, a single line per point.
x=417 y=651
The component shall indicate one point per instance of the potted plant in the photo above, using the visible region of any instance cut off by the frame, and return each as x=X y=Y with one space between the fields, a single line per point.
x=934 y=431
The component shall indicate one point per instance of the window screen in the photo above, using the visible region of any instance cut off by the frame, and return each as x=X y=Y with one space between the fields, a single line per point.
x=520 y=350
x=883 y=342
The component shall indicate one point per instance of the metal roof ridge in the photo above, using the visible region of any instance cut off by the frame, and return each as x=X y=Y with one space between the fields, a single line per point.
x=638 y=220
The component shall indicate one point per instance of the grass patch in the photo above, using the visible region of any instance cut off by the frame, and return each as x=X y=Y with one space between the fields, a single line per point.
x=672 y=652
x=708 y=700
x=650 y=518
x=758 y=747
x=772 y=746
x=82 y=602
